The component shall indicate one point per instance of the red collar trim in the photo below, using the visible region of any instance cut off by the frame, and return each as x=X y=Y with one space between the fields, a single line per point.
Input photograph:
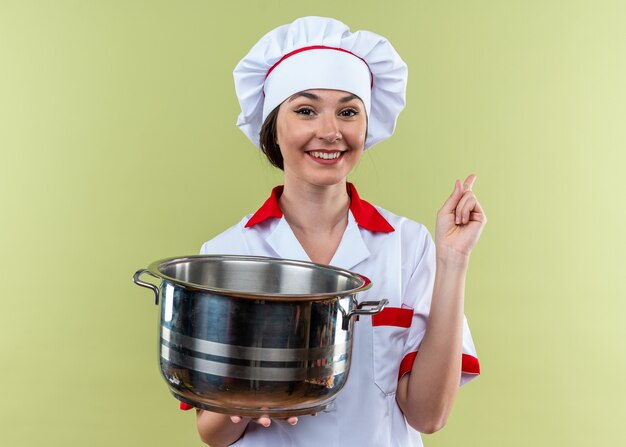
x=365 y=214
x=269 y=209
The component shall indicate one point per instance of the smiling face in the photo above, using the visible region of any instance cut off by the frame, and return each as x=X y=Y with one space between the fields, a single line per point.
x=321 y=134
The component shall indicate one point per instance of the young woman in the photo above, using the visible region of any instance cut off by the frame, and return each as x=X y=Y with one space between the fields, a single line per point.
x=314 y=96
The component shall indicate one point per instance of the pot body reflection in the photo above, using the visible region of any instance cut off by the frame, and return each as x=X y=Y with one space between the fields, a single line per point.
x=235 y=355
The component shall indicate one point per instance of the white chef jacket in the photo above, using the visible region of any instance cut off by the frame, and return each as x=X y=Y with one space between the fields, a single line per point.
x=398 y=256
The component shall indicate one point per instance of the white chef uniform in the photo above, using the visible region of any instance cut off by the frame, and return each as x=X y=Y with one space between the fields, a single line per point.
x=398 y=256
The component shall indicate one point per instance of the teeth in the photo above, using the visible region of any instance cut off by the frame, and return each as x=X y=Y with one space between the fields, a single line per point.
x=326 y=155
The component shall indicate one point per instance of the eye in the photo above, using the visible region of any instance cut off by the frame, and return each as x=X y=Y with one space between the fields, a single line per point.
x=306 y=111
x=348 y=113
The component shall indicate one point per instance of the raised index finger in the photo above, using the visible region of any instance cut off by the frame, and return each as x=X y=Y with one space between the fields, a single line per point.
x=450 y=204
x=469 y=182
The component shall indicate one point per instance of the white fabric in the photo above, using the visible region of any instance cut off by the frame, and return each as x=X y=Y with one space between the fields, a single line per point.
x=401 y=265
x=311 y=67
x=388 y=71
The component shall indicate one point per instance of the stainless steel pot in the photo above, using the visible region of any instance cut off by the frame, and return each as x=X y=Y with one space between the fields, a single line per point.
x=254 y=335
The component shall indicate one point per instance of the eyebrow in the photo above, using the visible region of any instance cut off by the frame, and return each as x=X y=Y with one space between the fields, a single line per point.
x=314 y=97
x=306 y=95
x=348 y=98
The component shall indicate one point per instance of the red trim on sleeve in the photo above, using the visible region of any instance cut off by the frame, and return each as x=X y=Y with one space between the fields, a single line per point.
x=185 y=407
x=469 y=364
x=406 y=365
x=365 y=214
x=393 y=316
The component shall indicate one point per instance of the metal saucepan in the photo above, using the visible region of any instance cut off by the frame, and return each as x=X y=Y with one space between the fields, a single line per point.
x=251 y=335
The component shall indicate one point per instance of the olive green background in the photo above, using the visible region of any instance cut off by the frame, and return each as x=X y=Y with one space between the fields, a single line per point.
x=119 y=147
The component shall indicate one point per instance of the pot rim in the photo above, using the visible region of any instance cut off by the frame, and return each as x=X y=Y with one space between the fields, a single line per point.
x=365 y=283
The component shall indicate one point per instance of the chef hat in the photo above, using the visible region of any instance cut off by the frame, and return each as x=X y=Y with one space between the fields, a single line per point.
x=321 y=53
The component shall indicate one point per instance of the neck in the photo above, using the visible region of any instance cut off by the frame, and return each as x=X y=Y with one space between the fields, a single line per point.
x=315 y=209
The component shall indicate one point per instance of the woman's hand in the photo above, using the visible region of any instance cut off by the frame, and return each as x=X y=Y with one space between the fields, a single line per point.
x=265 y=421
x=217 y=429
x=460 y=221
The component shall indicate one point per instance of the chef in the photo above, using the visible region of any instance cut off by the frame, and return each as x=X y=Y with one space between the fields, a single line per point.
x=314 y=96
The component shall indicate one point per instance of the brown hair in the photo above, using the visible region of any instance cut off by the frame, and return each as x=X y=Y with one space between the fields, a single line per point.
x=267 y=140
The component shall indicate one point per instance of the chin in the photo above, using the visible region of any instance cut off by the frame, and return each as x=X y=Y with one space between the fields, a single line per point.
x=324 y=182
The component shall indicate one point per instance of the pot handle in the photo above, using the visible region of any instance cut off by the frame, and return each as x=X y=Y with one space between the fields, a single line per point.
x=147 y=285
x=378 y=306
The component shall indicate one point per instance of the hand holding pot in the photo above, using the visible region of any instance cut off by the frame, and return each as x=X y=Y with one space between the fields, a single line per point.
x=220 y=429
x=265 y=421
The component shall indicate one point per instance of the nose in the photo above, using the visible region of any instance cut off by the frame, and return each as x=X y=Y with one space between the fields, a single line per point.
x=329 y=129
